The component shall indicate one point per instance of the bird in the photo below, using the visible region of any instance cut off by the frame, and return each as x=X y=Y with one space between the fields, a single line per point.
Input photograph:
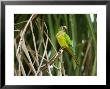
x=65 y=42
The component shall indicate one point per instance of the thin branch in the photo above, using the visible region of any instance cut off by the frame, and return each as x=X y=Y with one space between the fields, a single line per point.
x=23 y=32
x=27 y=54
x=42 y=57
x=86 y=53
x=48 y=66
x=30 y=69
x=33 y=53
x=19 y=60
x=52 y=60
x=36 y=59
x=55 y=67
x=85 y=56
x=63 y=69
x=21 y=22
x=17 y=30
x=50 y=41
x=60 y=66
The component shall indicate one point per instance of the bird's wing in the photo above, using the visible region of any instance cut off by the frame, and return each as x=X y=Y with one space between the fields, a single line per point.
x=68 y=40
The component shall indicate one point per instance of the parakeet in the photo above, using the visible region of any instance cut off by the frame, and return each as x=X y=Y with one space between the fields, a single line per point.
x=65 y=42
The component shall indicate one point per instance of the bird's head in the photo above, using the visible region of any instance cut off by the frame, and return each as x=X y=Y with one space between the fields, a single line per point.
x=61 y=31
x=64 y=28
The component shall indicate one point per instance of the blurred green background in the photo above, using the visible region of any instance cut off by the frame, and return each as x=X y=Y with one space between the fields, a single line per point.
x=41 y=34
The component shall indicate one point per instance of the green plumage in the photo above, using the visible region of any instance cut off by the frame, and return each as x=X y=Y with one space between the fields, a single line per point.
x=66 y=43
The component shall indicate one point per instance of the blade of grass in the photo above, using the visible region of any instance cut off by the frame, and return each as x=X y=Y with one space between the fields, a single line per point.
x=19 y=60
x=29 y=58
x=36 y=59
x=38 y=70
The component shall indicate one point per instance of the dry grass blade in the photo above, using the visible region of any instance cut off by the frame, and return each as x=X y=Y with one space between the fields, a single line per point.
x=48 y=66
x=52 y=60
x=19 y=60
x=27 y=54
x=42 y=57
x=23 y=33
x=36 y=59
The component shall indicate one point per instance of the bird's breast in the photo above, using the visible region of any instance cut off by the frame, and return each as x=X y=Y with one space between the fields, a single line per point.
x=62 y=41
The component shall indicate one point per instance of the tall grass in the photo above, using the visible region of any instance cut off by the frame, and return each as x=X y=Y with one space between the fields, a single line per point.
x=37 y=52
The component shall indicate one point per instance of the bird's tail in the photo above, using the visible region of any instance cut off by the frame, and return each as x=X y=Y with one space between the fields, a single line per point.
x=73 y=56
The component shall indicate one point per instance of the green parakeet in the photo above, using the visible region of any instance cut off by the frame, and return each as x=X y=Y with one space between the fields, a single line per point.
x=65 y=42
